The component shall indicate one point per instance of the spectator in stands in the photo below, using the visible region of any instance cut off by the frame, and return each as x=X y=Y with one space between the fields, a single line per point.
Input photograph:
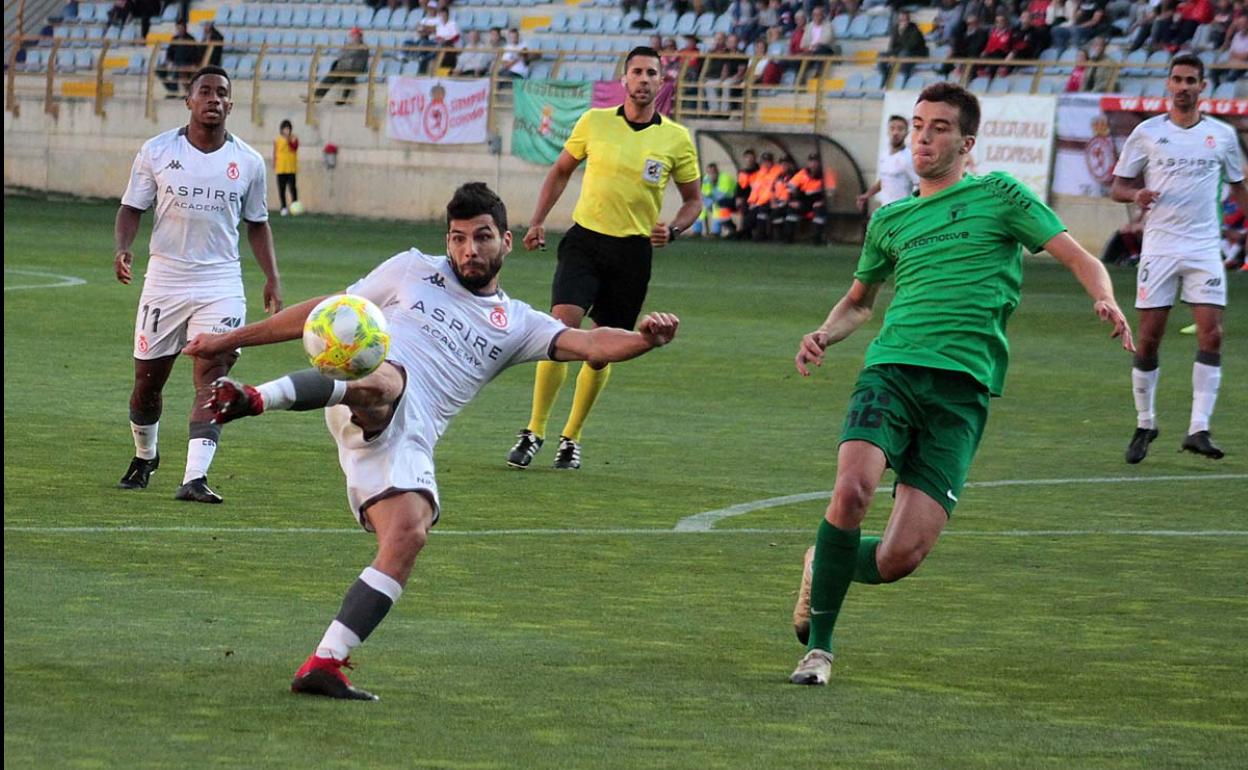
x=1141 y=29
x=656 y=41
x=693 y=56
x=798 y=34
x=1030 y=40
x=1223 y=16
x=1168 y=28
x=765 y=70
x=1194 y=13
x=516 y=57
x=725 y=72
x=968 y=43
x=475 y=61
x=352 y=62
x=1098 y=79
x=1060 y=18
x=118 y=14
x=905 y=41
x=819 y=38
x=947 y=23
x=1000 y=43
x=1092 y=21
x=182 y=57
x=146 y=10
x=1074 y=83
x=213 y=44
x=1234 y=49
x=446 y=36
x=808 y=190
x=768 y=16
x=743 y=14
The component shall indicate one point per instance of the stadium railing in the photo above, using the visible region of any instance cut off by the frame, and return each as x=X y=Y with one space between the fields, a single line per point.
x=53 y=70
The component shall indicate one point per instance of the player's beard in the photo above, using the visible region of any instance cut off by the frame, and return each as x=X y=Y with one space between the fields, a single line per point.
x=478 y=282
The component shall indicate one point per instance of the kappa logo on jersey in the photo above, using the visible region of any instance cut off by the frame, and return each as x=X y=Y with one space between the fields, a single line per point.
x=653 y=171
x=435 y=279
x=498 y=317
x=231 y=322
x=173 y=164
x=1163 y=140
x=232 y=170
x=1214 y=282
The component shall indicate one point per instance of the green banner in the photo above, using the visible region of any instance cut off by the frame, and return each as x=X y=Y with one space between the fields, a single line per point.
x=545 y=112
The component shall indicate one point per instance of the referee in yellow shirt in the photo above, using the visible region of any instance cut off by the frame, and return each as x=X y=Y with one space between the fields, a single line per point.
x=604 y=259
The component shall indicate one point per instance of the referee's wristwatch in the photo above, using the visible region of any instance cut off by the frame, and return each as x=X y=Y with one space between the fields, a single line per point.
x=673 y=231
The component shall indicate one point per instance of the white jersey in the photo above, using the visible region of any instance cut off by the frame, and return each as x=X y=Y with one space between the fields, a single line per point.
x=451 y=341
x=897 y=175
x=1186 y=166
x=200 y=199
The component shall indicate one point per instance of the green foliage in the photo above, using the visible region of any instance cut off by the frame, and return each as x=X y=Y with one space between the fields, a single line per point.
x=556 y=619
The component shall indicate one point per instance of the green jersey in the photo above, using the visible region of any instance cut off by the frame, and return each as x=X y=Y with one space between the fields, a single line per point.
x=958 y=266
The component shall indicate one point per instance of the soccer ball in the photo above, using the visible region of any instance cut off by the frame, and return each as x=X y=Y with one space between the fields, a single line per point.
x=296 y=208
x=345 y=337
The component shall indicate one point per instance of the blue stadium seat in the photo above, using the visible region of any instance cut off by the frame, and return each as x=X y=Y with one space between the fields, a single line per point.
x=268 y=16
x=686 y=23
x=316 y=17
x=667 y=24
x=1156 y=87
x=558 y=22
x=723 y=23
x=979 y=85
x=878 y=26
x=705 y=25
x=398 y=19
x=170 y=14
x=1224 y=91
x=251 y=16
x=410 y=69
x=64 y=60
x=1138 y=56
x=576 y=23
x=594 y=23
x=540 y=71
x=246 y=67
x=299 y=17
x=858 y=27
x=350 y=18
x=284 y=16
x=500 y=18
x=612 y=24
x=274 y=68
x=1132 y=86
x=381 y=19
x=289 y=40
x=1020 y=84
x=138 y=64
x=298 y=69
x=333 y=18
x=999 y=85
x=873 y=85
x=840 y=26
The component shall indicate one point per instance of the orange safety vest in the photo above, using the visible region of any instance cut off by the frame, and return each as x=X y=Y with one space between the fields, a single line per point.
x=761 y=185
x=780 y=189
x=804 y=183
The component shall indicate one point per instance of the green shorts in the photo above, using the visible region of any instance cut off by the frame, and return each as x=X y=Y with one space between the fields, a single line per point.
x=928 y=422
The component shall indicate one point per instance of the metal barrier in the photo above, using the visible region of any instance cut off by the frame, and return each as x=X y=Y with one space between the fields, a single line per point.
x=799 y=99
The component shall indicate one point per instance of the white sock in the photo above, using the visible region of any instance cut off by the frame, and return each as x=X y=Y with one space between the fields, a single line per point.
x=1144 y=387
x=278 y=394
x=338 y=642
x=382 y=583
x=199 y=452
x=145 y=440
x=1205 y=381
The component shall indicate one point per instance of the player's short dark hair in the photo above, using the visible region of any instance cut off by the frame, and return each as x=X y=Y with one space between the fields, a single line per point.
x=1188 y=60
x=473 y=199
x=286 y=124
x=641 y=50
x=959 y=97
x=891 y=118
x=713 y=165
x=210 y=69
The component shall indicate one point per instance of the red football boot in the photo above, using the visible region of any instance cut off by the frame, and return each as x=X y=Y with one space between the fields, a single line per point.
x=323 y=676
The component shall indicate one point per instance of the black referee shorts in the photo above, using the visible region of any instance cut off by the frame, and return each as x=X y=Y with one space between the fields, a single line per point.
x=604 y=275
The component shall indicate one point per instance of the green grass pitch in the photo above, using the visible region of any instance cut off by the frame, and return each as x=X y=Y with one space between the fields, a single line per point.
x=559 y=619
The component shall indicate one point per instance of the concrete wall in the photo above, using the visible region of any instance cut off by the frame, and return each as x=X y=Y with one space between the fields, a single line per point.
x=80 y=153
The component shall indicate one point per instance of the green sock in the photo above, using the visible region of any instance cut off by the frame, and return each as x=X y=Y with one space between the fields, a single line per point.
x=866 y=570
x=836 y=555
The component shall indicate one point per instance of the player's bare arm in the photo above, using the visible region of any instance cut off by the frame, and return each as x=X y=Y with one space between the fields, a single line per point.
x=1095 y=280
x=260 y=236
x=871 y=192
x=605 y=345
x=690 y=208
x=552 y=187
x=1132 y=190
x=279 y=327
x=124 y=231
x=852 y=311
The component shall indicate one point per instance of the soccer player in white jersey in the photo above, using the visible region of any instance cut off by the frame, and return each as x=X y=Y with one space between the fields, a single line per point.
x=452 y=330
x=202 y=180
x=1172 y=167
x=895 y=174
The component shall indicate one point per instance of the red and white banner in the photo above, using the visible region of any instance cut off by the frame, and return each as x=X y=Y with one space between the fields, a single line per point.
x=1091 y=129
x=435 y=111
x=1015 y=135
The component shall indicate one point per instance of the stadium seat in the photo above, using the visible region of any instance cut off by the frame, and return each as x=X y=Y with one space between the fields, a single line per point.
x=1156 y=88
x=333 y=18
x=251 y=16
x=410 y=69
x=274 y=68
x=594 y=23
x=723 y=23
x=398 y=19
x=667 y=24
x=686 y=23
x=64 y=60
x=576 y=23
x=1021 y=84
x=558 y=22
x=1138 y=56
x=705 y=25
x=1000 y=85
x=979 y=85
x=297 y=69
x=246 y=67
x=284 y=16
x=380 y=19
x=840 y=25
x=540 y=71
x=350 y=18
x=873 y=85
x=268 y=16
x=858 y=27
x=86 y=13
x=1132 y=86
x=1224 y=91
x=878 y=27
x=170 y=14
x=138 y=64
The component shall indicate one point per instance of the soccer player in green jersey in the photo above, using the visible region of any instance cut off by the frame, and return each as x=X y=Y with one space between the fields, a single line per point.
x=921 y=400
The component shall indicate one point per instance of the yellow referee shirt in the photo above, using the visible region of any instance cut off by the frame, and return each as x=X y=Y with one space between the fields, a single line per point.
x=622 y=190
x=285 y=161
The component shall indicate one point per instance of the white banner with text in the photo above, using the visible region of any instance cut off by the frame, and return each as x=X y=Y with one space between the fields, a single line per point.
x=435 y=111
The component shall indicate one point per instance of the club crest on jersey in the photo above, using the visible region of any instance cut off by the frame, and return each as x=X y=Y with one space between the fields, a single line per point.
x=232 y=170
x=143 y=346
x=498 y=317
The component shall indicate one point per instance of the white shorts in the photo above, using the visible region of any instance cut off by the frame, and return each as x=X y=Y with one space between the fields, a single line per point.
x=1197 y=281
x=398 y=459
x=166 y=319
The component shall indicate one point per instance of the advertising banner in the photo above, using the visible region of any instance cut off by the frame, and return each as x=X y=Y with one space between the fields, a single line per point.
x=434 y=111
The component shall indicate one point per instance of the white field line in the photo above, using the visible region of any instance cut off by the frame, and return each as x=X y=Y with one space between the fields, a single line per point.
x=61 y=280
x=706 y=520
